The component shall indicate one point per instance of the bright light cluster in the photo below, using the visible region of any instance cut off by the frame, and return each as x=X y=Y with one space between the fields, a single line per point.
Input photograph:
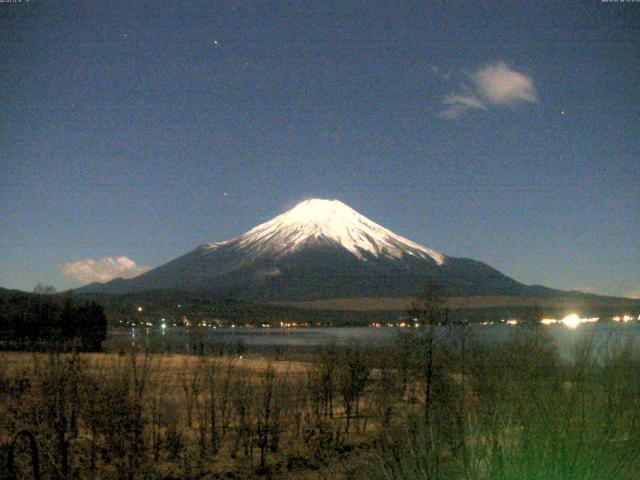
x=624 y=318
x=570 y=321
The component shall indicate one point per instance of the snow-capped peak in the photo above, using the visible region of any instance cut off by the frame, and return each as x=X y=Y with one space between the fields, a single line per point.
x=318 y=220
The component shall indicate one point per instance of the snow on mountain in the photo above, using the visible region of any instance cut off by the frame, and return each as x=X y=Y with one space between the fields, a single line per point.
x=320 y=249
x=318 y=221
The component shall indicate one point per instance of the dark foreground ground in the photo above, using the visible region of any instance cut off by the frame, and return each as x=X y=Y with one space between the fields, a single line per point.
x=415 y=408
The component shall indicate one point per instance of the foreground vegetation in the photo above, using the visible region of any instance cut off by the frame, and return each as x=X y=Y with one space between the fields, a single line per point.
x=425 y=407
x=37 y=321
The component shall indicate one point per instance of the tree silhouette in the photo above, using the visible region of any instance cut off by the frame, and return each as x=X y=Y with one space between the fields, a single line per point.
x=41 y=321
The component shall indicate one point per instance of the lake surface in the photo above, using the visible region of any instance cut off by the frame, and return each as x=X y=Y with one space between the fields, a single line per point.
x=182 y=340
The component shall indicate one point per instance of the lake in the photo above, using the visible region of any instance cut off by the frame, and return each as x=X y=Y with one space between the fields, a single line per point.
x=300 y=340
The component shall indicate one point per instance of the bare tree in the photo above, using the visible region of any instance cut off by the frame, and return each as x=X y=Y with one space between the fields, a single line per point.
x=352 y=374
x=429 y=312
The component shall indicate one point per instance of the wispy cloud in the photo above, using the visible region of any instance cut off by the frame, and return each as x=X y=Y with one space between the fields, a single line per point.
x=460 y=103
x=494 y=84
x=103 y=269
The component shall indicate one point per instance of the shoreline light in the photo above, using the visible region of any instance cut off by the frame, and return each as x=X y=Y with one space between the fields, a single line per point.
x=571 y=321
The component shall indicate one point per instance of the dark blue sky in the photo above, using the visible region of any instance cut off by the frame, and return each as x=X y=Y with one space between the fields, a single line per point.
x=508 y=133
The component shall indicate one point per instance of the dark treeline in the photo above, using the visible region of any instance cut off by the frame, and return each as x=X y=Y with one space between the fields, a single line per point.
x=174 y=305
x=33 y=321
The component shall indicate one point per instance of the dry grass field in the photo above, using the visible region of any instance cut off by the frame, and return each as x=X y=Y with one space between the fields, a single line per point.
x=173 y=365
x=414 y=409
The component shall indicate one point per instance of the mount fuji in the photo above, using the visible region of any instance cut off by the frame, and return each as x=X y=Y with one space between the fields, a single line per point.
x=320 y=249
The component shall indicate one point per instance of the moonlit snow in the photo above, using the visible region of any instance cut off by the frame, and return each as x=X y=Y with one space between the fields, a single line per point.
x=326 y=221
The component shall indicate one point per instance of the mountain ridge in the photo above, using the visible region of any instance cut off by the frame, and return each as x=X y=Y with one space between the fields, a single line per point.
x=318 y=250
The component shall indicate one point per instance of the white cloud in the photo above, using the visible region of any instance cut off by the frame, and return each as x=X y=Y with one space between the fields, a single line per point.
x=102 y=269
x=492 y=85
x=500 y=85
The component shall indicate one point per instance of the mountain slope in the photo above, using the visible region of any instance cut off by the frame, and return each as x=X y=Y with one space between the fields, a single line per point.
x=320 y=249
